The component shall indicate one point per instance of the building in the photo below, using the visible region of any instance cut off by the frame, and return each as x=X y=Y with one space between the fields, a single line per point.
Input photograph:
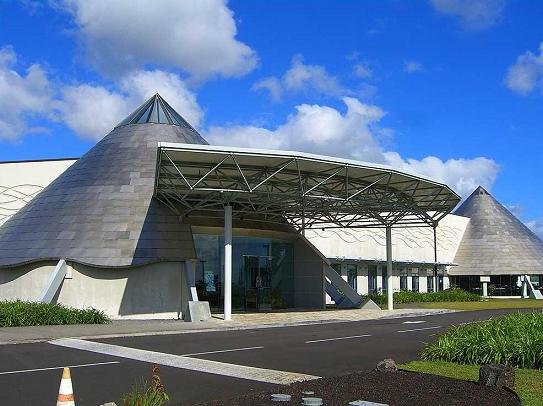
x=153 y=217
x=497 y=251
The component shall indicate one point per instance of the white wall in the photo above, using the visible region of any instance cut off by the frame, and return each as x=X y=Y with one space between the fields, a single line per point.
x=150 y=291
x=21 y=181
x=408 y=244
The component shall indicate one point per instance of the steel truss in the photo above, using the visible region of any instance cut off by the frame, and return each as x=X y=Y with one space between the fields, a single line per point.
x=304 y=190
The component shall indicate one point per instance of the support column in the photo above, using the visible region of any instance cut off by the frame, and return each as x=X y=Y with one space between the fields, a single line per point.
x=390 y=288
x=485 y=289
x=227 y=262
x=436 y=287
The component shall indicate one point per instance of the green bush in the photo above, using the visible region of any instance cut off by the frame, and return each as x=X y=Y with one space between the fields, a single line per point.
x=516 y=340
x=147 y=394
x=19 y=313
x=449 y=295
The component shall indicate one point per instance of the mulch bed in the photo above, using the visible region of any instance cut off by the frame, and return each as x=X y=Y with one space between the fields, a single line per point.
x=392 y=388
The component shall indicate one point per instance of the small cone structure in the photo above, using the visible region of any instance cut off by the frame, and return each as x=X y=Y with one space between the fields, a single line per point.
x=66 y=393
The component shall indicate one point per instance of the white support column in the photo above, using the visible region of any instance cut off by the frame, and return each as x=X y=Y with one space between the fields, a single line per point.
x=436 y=287
x=227 y=262
x=390 y=288
x=484 y=282
x=485 y=289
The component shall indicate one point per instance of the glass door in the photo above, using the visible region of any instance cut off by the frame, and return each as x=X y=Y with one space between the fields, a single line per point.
x=258 y=282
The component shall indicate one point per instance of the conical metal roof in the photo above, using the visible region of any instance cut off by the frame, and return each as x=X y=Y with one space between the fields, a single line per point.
x=101 y=210
x=495 y=241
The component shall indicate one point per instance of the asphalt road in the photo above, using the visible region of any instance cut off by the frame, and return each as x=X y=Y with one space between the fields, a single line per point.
x=26 y=377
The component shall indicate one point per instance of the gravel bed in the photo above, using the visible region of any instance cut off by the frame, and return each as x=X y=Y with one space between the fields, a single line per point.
x=392 y=388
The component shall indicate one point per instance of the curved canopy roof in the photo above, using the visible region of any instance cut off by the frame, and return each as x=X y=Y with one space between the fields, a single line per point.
x=495 y=241
x=303 y=189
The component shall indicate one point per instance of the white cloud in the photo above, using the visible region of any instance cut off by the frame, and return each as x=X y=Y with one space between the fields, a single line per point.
x=301 y=78
x=356 y=134
x=198 y=37
x=412 y=67
x=526 y=73
x=93 y=111
x=272 y=85
x=22 y=96
x=362 y=70
x=463 y=175
x=313 y=128
x=473 y=14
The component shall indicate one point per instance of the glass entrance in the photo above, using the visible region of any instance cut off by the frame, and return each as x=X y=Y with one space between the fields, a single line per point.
x=262 y=273
x=258 y=282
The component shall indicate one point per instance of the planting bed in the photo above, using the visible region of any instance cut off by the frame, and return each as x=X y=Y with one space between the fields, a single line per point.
x=392 y=388
x=515 y=340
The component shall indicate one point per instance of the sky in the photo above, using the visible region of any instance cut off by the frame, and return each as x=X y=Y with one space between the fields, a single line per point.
x=450 y=89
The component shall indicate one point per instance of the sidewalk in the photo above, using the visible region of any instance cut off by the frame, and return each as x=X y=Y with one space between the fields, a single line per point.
x=124 y=328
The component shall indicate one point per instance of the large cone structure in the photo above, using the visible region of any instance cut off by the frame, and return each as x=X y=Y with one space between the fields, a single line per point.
x=495 y=241
x=101 y=211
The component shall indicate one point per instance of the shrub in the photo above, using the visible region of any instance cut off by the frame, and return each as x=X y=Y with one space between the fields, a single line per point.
x=449 y=295
x=19 y=313
x=147 y=394
x=515 y=340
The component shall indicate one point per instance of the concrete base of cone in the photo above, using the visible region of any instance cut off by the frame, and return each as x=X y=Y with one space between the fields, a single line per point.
x=66 y=393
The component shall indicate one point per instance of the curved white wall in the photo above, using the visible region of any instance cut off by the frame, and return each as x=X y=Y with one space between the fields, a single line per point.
x=150 y=291
x=414 y=244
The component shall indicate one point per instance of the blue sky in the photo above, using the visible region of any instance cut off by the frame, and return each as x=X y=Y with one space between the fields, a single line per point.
x=452 y=89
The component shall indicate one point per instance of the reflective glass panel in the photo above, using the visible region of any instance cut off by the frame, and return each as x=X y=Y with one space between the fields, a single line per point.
x=262 y=272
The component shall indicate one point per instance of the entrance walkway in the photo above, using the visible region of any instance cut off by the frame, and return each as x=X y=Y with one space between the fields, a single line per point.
x=127 y=328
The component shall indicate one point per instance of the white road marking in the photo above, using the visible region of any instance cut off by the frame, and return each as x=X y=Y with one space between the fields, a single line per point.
x=22 y=371
x=418 y=329
x=219 y=351
x=337 y=338
x=193 y=364
x=414 y=322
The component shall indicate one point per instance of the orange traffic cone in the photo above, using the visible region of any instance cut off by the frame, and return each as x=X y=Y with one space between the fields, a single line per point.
x=66 y=393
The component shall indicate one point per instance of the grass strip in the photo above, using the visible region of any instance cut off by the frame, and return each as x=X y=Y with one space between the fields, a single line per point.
x=20 y=313
x=528 y=382
x=489 y=304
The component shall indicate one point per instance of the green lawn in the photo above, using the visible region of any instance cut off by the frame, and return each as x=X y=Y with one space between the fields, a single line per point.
x=528 y=382
x=483 y=305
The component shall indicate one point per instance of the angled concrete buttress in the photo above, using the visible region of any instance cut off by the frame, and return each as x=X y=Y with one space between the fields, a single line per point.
x=54 y=282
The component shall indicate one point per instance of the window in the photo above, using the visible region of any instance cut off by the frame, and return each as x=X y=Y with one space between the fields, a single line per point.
x=468 y=283
x=504 y=285
x=372 y=279
x=415 y=280
x=403 y=279
x=352 y=275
